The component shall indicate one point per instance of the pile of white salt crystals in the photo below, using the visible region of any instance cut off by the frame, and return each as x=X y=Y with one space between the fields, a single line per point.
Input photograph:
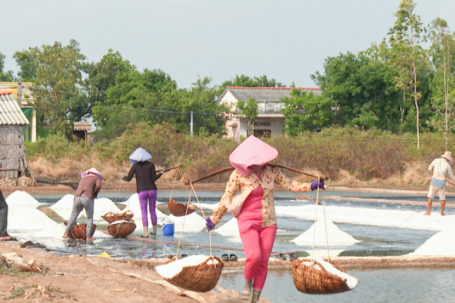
x=170 y=270
x=350 y=280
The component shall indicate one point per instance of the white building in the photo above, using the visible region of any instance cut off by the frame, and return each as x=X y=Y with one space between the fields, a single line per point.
x=270 y=120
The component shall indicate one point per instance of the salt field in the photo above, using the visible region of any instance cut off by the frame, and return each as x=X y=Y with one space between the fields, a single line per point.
x=354 y=228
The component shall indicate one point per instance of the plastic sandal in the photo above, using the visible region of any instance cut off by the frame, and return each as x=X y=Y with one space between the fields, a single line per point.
x=233 y=257
x=225 y=257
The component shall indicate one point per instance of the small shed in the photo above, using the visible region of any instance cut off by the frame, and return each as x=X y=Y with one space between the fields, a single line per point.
x=12 y=150
x=81 y=130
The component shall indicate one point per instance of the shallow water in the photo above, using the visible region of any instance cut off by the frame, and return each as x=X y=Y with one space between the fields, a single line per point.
x=375 y=240
x=385 y=285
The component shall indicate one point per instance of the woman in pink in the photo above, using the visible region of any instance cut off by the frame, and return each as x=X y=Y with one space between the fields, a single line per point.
x=254 y=206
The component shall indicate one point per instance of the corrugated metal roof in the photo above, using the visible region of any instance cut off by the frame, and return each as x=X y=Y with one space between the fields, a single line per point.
x=10 y=112
x=265 y=94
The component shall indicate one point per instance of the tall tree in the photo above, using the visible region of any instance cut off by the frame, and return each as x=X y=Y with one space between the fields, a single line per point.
x=409 y=57
x=305 y=111
x=443 y=83
x=5 y=76
x=250 y=111
x=26 y=61
x=359 y=90
x=57 y=87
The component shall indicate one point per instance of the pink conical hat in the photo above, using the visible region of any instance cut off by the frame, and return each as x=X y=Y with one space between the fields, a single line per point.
x=252 y=151
x=92 y=170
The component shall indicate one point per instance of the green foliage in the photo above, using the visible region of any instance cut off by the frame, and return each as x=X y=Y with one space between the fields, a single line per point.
x=359 y=90
x=305 y=111
x=57 y=87
x=55 y=147
x=5 y=76
x=246 y=81
x=26 y=61
x=249 y=110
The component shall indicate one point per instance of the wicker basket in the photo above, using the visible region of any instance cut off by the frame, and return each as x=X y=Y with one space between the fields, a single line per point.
x=200 y=278
x=179 y=209
x=313 y=281
x=111 y=217
x=122 y=229
x=79 y=231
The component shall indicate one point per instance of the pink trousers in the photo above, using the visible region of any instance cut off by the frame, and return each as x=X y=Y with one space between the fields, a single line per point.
x=257 y=241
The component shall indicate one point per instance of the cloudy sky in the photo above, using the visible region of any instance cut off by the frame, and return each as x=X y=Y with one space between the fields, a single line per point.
x=287 y=40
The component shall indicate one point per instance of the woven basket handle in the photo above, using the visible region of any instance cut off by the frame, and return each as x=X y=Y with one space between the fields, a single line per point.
x=210 y=258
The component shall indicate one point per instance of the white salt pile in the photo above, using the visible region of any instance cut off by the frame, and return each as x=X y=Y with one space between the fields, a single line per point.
x=134 y=198
x=169 y=270
x=65 y=213
x=336 y=236
x=30 y=218
x=350 y=280
x=52 y=231
x=441 y=244
x=21 y=197
x=193 y=223
x=105 y=205
x=230 y=228
x=65 y=202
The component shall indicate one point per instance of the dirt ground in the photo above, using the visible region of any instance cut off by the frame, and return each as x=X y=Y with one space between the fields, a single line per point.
x=80 y=280
x=72 y=278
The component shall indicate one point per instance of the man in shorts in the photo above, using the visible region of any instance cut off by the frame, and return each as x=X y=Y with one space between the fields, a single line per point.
x=440 y=168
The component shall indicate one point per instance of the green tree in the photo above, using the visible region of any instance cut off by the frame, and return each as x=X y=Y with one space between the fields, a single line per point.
x=245 y=81
x=26 y=61
x=5 y=76
x=250 y=111
x=57 y=90
x=409 y=57
x=443 y=83
x=305 y=111
x=359 y=90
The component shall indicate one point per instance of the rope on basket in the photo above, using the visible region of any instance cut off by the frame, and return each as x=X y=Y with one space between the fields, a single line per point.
x=203 y=214
x=315 y=220
x=173 y=185
x=326 y=231
x=183 y=225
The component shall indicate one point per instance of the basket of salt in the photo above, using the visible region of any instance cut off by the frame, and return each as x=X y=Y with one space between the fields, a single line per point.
x=121 y=229
x=79 y=231
x=179 y=209
x=111 y=217
x=321 y=277
x=196 y=273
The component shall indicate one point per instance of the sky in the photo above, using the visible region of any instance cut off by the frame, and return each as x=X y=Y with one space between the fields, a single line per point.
x=287 y=40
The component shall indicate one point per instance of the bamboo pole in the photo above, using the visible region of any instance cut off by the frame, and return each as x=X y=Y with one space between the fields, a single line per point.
x=170 y=168
x=187 y=182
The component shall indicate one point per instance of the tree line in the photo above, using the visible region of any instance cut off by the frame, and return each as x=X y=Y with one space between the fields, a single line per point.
x=405 y=83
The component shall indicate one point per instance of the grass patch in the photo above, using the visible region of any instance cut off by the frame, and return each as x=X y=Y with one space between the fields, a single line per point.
x=13 y=271
x=19 y=292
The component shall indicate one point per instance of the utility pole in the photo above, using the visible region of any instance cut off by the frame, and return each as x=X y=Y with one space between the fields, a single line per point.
x=191 y=123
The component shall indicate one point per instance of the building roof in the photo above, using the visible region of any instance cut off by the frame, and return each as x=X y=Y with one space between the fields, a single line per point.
x=10 y=112
x=82 y=126
x=265 y=94
x=27 y=99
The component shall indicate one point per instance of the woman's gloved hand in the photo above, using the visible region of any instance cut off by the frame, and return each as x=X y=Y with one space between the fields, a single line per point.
x=317 y=184
x=210 y=225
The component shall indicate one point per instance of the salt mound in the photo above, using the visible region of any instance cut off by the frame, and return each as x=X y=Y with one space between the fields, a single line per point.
x=30 y=218
x=169 y=270
x=21 y=197
x=336 y=236
x=105 y=205
x=350 y=280
x=441 y=244
x=230 y=228
x=193 y=223
x=134 y=199
x=52 y=231
x=65 y=213
x=65 y=202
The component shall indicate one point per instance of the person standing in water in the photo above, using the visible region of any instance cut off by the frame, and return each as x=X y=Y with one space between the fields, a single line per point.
x=146 y=177
x=87 y=190
x=254 y=207
x=440 y=168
